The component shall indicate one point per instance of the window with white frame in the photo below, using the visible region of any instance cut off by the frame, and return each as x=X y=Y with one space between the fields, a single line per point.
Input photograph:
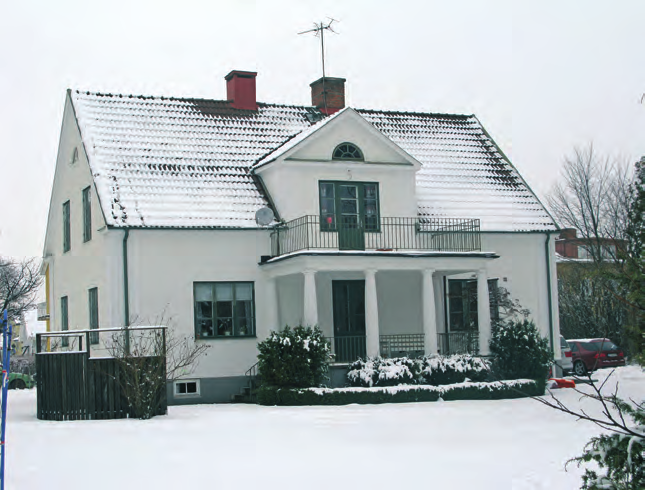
x=224 y=310
x=187 y=388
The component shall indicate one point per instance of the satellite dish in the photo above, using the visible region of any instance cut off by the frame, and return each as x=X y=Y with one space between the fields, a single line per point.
x=264 y=216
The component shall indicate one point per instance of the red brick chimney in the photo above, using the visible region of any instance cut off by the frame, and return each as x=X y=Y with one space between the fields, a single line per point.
x=328 y=94
x=240 y=89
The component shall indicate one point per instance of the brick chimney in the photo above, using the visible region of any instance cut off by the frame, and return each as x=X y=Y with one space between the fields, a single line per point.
x=240 y=89
x=333 y=89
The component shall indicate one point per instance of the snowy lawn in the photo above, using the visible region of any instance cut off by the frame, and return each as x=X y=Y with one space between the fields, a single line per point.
x=488 y=445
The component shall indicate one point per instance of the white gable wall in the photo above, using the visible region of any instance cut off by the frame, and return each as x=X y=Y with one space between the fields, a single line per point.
x=95 y=263
x=293 y=182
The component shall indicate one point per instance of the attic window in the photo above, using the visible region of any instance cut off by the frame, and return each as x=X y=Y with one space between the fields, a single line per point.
x=348 y=151
x=74 y=158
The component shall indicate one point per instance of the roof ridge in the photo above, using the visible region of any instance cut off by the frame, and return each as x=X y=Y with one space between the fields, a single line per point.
x=413 y=113
x=272 y=104
x=184 y=99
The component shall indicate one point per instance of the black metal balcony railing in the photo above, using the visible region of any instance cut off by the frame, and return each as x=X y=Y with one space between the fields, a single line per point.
x=458 y=343
x=397 y=234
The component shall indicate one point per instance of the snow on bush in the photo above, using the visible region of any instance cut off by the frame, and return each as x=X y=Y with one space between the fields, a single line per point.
x=432 y=370
x=295 y=358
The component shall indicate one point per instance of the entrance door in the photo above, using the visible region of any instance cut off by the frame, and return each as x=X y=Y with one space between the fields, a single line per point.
x=349 y=320
x=351 y=234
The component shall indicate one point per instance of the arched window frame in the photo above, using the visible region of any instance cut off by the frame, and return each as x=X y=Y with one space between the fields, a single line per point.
x=358 y=154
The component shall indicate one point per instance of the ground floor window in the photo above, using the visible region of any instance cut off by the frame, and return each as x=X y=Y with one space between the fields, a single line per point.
x=224 y=309
x=93 y=306
x=462 y=304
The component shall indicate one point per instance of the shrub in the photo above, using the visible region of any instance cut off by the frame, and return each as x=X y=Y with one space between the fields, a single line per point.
x=432 y=370
x=446 y=370
x=344 y=396
x=295 y=358
x=519 y=351
x=618 y=458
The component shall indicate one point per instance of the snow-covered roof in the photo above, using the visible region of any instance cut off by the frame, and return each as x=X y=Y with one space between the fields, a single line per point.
x=167 y=162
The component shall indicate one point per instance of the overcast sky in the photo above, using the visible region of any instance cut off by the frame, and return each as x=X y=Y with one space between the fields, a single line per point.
x=542 y=78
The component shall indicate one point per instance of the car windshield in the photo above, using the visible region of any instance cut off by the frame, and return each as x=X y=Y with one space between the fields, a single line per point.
x=596 y=346
x=563 y=343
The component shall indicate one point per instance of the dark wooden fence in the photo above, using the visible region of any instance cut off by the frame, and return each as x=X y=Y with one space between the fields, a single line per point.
x=71 y=385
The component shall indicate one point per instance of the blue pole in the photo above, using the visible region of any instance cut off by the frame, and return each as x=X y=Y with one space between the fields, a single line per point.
x=6 y=359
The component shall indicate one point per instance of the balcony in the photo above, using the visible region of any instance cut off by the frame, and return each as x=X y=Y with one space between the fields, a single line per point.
x=388 y=234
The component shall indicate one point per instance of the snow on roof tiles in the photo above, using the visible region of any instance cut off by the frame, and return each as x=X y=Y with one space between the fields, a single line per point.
x=166 y=162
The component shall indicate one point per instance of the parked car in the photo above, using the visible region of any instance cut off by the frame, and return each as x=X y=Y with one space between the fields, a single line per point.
x=18 y=381
x=591 y=354
x=566 y=359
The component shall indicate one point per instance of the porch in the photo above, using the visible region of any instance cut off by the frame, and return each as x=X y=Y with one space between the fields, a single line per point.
x=385 y=303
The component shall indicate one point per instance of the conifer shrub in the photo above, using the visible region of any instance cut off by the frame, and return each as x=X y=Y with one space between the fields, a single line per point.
x=616 y=461
x=519 y=351
x=430 y=370
x=294 y=358
x=498 y=390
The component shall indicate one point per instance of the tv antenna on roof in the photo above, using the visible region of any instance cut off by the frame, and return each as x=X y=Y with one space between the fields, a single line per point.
x=319 y=31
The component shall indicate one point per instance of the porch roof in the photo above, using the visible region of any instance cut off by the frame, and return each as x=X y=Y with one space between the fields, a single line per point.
x=353 y=260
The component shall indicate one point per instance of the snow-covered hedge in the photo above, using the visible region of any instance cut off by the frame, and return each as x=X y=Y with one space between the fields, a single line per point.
x=295 y=358
x=496 y=390
x=431 y=370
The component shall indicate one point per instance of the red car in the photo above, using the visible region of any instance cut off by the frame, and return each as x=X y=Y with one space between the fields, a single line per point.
x=591 y=354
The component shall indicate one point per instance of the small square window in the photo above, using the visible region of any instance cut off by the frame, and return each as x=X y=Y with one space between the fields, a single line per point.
x=187 y=388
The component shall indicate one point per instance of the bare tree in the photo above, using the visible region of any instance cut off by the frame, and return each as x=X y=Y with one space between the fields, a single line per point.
x=593 y=198
x=148 y=358
x=19 y=285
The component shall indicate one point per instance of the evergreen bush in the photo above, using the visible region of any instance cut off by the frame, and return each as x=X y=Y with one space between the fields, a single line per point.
x=431 y=370
x=498 y=390
x=519 y=351
x=617 y=459
x=294 y=358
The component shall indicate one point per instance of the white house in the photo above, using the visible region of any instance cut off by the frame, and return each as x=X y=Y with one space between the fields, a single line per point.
x=382 y=227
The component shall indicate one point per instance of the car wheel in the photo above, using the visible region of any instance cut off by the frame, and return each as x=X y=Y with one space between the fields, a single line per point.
x=579 y=368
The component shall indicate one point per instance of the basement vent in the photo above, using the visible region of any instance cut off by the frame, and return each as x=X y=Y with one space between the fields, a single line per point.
x=187 y=388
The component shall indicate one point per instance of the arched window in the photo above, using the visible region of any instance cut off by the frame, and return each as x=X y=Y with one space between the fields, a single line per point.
x=347 y=151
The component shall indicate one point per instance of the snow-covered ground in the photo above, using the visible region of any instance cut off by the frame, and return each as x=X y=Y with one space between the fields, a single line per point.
x=488 y=445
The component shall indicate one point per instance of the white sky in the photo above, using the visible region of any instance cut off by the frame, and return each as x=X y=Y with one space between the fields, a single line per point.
x=542 y=78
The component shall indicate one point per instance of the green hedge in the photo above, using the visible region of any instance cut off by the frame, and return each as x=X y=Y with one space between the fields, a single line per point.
x=496 y=390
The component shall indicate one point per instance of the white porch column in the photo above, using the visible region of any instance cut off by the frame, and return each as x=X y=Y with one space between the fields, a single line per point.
x=483 y=311
x=311 y=301
x=371 y=314
x=273 y=316
x=429 y=313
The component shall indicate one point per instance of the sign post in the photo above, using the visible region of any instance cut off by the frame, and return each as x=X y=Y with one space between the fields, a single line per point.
x=6 y=360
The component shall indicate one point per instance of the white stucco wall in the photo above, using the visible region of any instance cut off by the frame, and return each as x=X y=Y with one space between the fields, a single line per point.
x=164 y=264
x=293 y=183
x=95 y=263
x=522 y=269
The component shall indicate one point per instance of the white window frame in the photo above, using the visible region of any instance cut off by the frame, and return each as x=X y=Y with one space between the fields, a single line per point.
x=178 y=382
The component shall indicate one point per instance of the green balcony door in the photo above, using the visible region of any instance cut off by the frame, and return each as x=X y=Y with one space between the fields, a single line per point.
x=351 y=209
x=349 y=320
x=351 y=233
